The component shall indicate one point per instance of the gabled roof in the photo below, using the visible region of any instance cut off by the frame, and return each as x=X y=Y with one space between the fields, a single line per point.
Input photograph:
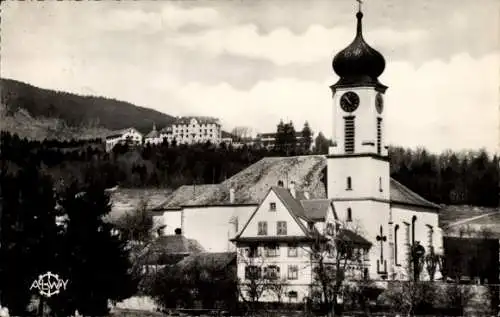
x=317 y=209
x=350 y=236
x=152 y=134
x=291 y=204
x=169 y=246
x=252 y=184
x=119 y=133
x=402 y=194
x=209 y=260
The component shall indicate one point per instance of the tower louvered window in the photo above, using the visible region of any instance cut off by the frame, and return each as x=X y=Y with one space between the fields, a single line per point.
x=379 y=135
x=349 y=134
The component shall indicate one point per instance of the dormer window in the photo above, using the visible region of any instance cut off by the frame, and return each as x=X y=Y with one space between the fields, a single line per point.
x=272 y=206
x=349 y=183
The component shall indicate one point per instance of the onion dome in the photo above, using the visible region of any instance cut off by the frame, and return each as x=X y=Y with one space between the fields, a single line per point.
x=358 y=64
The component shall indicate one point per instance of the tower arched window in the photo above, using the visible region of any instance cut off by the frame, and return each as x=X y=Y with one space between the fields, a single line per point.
x=349 y=134
x=380 y=184
x=413 y=221
x=396 y=229
x=349 y=214
x=349 y=183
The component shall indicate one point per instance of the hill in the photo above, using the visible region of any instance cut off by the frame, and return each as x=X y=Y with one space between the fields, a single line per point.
x=59 y=110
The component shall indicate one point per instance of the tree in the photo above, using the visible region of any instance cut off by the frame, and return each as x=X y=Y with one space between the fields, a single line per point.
x=260 y=277
x=331 y=256
x=96 y=258
x=321 y=144
x=241 y=133
x=137 y=226
x=306 y=137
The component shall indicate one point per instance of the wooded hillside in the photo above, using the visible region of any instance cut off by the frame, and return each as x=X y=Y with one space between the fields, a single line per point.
x=449 y=178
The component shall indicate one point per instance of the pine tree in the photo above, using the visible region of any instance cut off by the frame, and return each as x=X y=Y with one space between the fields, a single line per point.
x=306 y=137
x=29 y=236
x=97 y=259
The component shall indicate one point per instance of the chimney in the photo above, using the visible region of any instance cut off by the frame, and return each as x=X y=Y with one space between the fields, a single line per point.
x=306 y=194
x=280 y=183
x=292 y=189
x=231 y=195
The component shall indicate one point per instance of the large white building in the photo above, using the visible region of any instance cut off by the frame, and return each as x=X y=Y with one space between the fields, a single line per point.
x=350 y=185
x=189 y=130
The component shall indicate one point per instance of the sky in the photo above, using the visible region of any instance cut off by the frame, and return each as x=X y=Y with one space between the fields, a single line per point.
x=252 y=63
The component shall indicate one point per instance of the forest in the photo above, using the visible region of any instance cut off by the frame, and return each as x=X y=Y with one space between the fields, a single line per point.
x=462 y=178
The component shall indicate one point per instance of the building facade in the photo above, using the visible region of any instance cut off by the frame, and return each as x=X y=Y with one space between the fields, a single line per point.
x=190 y=130
x=130 y=136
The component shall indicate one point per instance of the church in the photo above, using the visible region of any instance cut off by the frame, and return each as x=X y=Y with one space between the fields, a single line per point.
x=276 y=205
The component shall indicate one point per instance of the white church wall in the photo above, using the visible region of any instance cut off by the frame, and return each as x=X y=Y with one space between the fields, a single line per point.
x=367 y=217
x=368 y=176
x=403 y=216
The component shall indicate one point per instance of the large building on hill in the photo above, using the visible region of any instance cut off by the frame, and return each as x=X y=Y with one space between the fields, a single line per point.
x=279 y=204
x=189 y=130
x=131 y=136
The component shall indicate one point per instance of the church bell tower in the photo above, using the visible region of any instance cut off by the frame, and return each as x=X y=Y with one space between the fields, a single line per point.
x=357 y=162
x=359 y=150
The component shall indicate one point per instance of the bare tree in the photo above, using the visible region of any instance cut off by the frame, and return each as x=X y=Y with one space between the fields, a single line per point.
x=334 y=259
x=241 y=132
x=260 y=277
x=278 y=287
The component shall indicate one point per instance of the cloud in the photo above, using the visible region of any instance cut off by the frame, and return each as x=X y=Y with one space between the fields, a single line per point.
x=438 y=105
x=283 y=47
x=169 y=17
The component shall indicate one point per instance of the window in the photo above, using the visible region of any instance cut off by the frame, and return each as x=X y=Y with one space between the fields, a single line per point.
x=272 y=207
x=413 y=221
x=272 y=251
x=281 y=228
x=396 y=229
x=252 y=272
x=430 y=234
x=380 y=184
x=379 y=136
x=272 y=272
x=349 y=214
x=293 y=272
x=349 y=183
x=253 y=252
x=330 y=229
x=262 y=228
x=292 y=294
x=349 y=135
x=293 y=251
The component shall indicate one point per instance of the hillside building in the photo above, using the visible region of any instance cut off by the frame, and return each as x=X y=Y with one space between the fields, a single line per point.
x=153 y=137
x=268 y=140
x=131 y=136
x=281 y=203
x=190 y=130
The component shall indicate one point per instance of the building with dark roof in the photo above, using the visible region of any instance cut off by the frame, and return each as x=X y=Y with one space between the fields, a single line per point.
x=279 y=204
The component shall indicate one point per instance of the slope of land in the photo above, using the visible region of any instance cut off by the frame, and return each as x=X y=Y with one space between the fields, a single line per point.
x=41 y=107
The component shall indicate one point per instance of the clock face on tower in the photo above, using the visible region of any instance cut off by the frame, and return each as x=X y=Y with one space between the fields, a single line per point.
x=379 y=103
x=349 y=101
